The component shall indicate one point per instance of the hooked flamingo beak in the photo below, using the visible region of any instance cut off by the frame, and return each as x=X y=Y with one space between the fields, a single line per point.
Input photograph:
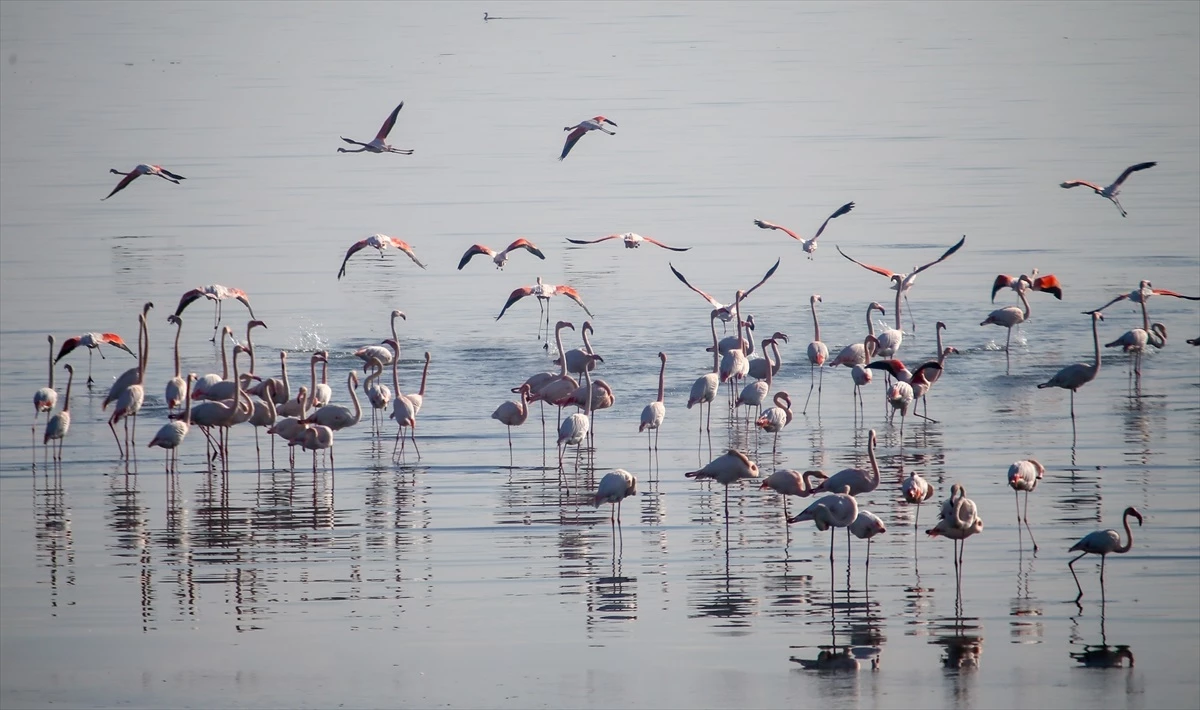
x=611 y=123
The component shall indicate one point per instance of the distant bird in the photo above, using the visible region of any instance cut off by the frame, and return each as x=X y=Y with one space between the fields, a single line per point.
x=500 y=257
x=1047 y=284
x=725 y=312
x=632 y=241
x=1135 y=342
x=544 y=292
x=916 y=490
x=1072 y=377
x=654 y=413
x=903 y=283
x=1024 y=476
x=46 y=397
x=1193 y=341
x=595 y=123
x=1112 y=190
x=142 y=169
x=92 y=341
x=380 y=242
x=1102 y=542
x=379 y=144
x=728 y=468
x=839 y=509
x=60 y=422
x=512 y=414
x=866 y=526
x=216 y=293
x=818 y=353
x=615 y=487
x=809 y=245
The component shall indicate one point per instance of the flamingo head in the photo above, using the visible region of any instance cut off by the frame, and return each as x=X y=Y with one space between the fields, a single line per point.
x=398 y=314
x=662 y=356
x=1131 y=511
x=602 y=119
x=815 y=298
x=564 y=324
x=878 y=307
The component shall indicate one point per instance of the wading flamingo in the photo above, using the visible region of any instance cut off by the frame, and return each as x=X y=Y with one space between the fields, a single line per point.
x=175 y=386
x=171 y=434
x=1024 y=476
x=866 y=525
x=632 y=241
x=142 y=169
x=1135 y=341
x=654 y=413
x=818 y=352
x=774 y=419
x=704 y=389
x=787 y=482
x=916 y=490
x=861 y=353
x=855 y=480
x=959 y=520
x=1072 y=377
x=1102 y=542
x=809 y=245
x=1008 y=317
x=1110 y=192
x=379 y=144
x=615 y=487
x=836 y=510
x=596 y=123
x=46 y=397
x=500 y=258
x=728 y=468
x=60 y=422
x=512 y=414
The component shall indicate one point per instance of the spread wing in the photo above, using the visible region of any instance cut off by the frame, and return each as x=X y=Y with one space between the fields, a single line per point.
x=1131 y=170
x=949 y=252
x=121 y=185
x=1106 y=305
x=170 y=174
x=354 y=249
x=655 y=242
x=840 y=211
x=404 y=247
x=769 y=274
x=514 y=297
x=771 y=225
x=1165 y=292
x=591 y=241
x=1001 y=281
x=574 y=296
x=877 y=269
x=1048 y=284
x=386 y=128
x=527 y=245
x=572 y=139
x=187 y=299
x=68 y=345
x=475 y=249
x=712 y=301
x=1076 y=183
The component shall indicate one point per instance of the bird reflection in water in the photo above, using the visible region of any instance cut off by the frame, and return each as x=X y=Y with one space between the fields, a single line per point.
x=1026 y=610
x=1100 y=655
x=961 y=639
x=612 y=597
x=724 y=596
x=54 y=541
x=862 y=628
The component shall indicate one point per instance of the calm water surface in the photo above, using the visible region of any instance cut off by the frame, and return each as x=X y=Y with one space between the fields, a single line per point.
x=461 y=580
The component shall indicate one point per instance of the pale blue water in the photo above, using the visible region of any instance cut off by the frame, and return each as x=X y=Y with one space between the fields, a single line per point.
x=458 y=580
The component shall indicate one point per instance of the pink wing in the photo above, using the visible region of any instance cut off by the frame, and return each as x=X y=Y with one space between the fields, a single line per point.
x=514 y=297
x=840 y=211
x=386 y=128
x=572 y=139
x=655 y=242
x=354 y=249
x=475 y=249
x=1076 y=183
x=876 y=269
x=527 y=245
x=402 y=246
x=771 y=225
x=712 y=301
x=121 y=185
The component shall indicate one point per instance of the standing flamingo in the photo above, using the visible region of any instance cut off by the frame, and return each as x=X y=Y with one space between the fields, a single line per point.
x=615 y=487
x=916 y=490
x=755 y=393
x=1024 y=476
x=379 y=242
x=728 y=468
x=1008 y=317
x=176 y=386
x=654 y=413
x=291 y=428
x=403 y=410
x=704 y=389
x=512 y=414
x=1110 y=192
x=130 y=376
x=59 y=423
x=725 y=312
x=596 y=123
x=1072 y=377
x=860 y=353
x=631 y=241
x=500 y=258
x=959 y=519
x=140 y=170
x=129 y=400
x=1135 y=341
x=379 y=394
x=379 y=144
x=787 y=482
x=216 y=293
x=808 y=245
x=319 y=437
x=855 y=480
x=416 y=399
x=903 y=283
x=866 y=525
x=171 y=434
x=574 y=429
x=45 y=398
x=579 y=359
x=759 y=365
x=776 y=418
x=1102 y=542
x=558 y=390
x=838 y=509
x=91 y=341
x=263 y=416
x=818 y=353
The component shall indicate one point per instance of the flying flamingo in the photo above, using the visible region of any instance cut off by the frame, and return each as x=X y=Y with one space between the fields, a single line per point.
x=171 y=434
x=217 y=293
x=866 y=525
x=59 y=423
x=1141 y=294
x=615 y=487
x=776 y=418
x=379 y=242
x=1024 y=476
x=855 y=480
x=596 y=123
x=725 y=312
x=91 y=341
x=809 y=245
x=142 y=169
x=654 y=413
x=1102 y=542
x=1072 y=377
x=728 y=468
x=787 y=482
x=916 y=490
x=379 y=144
x=1046 y=284
x=46 y=397
x=632 y=241
x=544 y=292
x=1008 y=317
x=1110 y=192
x=818 y=352
x=500 y=258
x=836 y=510
x=903 y=283
x=512 y=414
x=704 y=389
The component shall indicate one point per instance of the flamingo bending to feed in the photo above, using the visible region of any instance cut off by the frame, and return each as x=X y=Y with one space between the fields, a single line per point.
x=319 y=437
x=1024 y=476
x=776 y=418
x=379 y=242
x=728 y=468
x=379 y=144
x=544 y=292
x=855 y=480
x=91 y=341
x=142 y=169
x=839 y=509
x=903 y=283
x=1046 y=284
x=654 y=413
x=1102 y=542
x=59 y=423
x=217 y=293
x=46 y=397
x=1110 y=192
x=615 y=487
x=809 y=245
x=725 y=312
x=704 y=389
x=787 y=482
x=171 y=434
x=512 y=414
x=379 y=394
x=916 y=490
x=632 y=241
x=596 y=123
x=1072 y=377
x=500 y=258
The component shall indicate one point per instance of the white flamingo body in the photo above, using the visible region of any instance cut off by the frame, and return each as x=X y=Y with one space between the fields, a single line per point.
x=500 y=258
x=835 y=510
x=630 y=239
x=46 y=397
x=654 y=413
x=615 y=487
x=379 y=242
x=808 y=245
x=1110 y=192
x=1024 y=476
x=59 y=423
x=172 y=434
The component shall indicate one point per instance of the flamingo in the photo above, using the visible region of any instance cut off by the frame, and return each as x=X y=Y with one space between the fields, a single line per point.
x=787 y=482
x=900 y=396
x=512 y=414
x=92 y=341
x=933 y=375
x=734 y=364
x=380 y=242
x=755 y=393
x=403 y=410
x=1141 y=294
x=599 y=394
x=654 y=413
x=175 y=391
x=544 y=292
x=559 y=390
x=217 y=293
x=1102 y=542
x=171 y=434
x=319 y=437
x=291 y=428
x=759 y=365
x=59 y=423
x=250 y=326
x=724 y=312
x=142 y=169
x=1046 y=284
x=46 y=397
x=1008 y=317
x=909 y=387
x=263 y=415
x=1024 y=476
x=223 y=389
x=579 y=359
x=596 y=123
x=574 y=429
x=129 y=400
x=631 y=240
x=418 y=398
x=818 y=352
x=1135 y=341
x=866 y=525
x=861 y=377
x=728 y=468
x=1072 y=377
x=776 y=418
x=380 y=395
x=809 y=245
x=615 y=487
x=130 y=376
x=916 y=490
x=854 y=480
x=959 y=520
x=1110 y=192
x=220 y=414
x=212 y=379
x=838 y=509
x=903 y=283
x=860 y=353
x=379 y=144
x=704 y=389
x=500 y=258
x=336 y=416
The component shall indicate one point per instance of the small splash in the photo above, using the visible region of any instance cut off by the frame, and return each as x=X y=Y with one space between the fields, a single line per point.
x=309 y=338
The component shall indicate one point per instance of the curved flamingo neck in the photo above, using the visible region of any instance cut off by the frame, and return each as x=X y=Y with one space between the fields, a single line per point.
x=563 y=355
x=350 y=381
x=941 y=352
x=737 y=313
x=1025 y=303
x=770 y=365
x=237 y=388
x=1145 y=317
x=424 y=376
x=874 y=463
x=145 y=352
x=662 y=375
x=287 y=388
x=778 y=357
x=870 y=326
x=250 y=346
x=806 y=481
x=51 y=385
x=816 y=324
x=587 y=344
x=1128 y=535
x=712 y=324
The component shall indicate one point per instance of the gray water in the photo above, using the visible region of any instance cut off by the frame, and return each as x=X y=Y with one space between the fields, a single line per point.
x=461 y=580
